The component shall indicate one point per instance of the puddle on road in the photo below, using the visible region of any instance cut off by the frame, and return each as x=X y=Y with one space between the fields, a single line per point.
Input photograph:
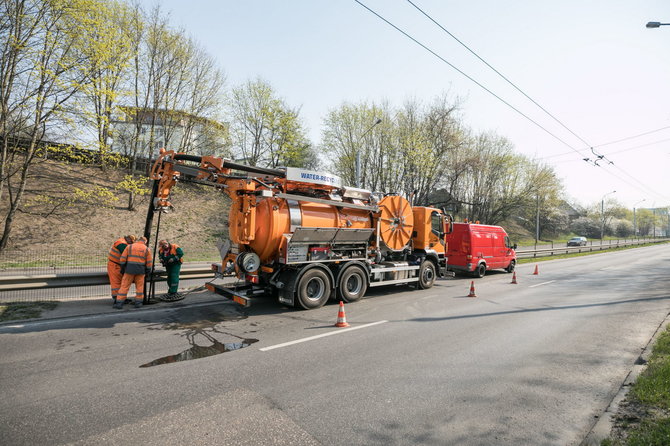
x=199 y=351
x=201 y=323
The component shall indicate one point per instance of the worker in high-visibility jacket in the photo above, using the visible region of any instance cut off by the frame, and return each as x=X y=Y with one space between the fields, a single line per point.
x=114 y=263
x=170 y=255
x=136 y=263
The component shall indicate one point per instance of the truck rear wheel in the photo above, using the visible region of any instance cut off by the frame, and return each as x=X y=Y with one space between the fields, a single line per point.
x=426 y=275
x=313 y=289
x=353 y=284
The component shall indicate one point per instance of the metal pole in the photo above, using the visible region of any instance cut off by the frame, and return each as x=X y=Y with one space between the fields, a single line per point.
x=537 y=221
x=602 y=213
x=147 y=233
x=358 y=168
x=358 y=152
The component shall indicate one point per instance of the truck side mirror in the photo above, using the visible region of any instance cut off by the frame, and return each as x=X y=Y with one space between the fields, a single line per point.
x=514 y=246
x=449 y=224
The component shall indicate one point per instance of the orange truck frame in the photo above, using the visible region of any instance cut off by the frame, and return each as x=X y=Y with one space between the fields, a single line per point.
x=303 y=237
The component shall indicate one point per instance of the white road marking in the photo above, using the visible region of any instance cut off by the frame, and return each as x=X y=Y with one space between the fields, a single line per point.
x=323 y=335
x=543 y=283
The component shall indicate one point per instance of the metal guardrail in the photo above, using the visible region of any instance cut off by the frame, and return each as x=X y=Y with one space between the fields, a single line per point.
x=42 y=281
x=542 y=252
x=83 y=279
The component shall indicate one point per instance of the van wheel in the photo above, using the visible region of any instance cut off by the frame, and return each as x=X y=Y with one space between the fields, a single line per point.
x=352 y=285
x=511 y=266
x=426 y=275
x=313 y=289
x=480 y=271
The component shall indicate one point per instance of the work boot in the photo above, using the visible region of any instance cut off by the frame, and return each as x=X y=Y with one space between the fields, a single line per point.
x=118 y=305
x=127 y=301
x=137 y=304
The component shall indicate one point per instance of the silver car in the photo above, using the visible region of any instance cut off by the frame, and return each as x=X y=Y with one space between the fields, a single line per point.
x=577 y=241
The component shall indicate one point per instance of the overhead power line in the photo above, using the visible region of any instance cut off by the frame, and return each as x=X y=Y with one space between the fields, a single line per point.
x=633 y=137
x=597 y=157
x=498 y=73
x=616 y=151
x=468 y=77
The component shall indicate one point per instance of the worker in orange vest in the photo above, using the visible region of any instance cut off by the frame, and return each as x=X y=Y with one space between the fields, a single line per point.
x=114 y=263
x=136 y=263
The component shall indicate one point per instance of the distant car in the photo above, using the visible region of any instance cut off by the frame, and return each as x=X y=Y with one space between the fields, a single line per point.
x=577 y=241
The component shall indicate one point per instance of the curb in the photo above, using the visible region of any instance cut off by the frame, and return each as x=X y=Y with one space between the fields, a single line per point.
x=603 y=427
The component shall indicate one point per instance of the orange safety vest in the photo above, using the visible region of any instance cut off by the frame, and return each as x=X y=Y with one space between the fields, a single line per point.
x=173 y=252
x=136 y=258
x=114 y=252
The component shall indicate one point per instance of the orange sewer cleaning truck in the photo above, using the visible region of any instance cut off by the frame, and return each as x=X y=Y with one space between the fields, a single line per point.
x=303 y=237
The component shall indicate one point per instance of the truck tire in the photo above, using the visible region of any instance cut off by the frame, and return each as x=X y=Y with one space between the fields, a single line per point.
x=352 y=284
x=480 y=271
x=313 y=289
x=511 y=266
x=426 y=274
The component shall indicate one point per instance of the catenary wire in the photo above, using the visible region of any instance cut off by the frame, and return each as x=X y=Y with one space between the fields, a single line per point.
x=468 y=77
x=600 y=157
x=498 y=73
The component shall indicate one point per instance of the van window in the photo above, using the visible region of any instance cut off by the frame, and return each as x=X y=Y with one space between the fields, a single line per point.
x=507 y=243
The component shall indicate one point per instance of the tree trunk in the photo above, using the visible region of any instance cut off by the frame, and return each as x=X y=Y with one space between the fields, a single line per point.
x=131 y=200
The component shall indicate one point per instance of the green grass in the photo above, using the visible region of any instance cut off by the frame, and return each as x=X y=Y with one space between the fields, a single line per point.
x=580 y=254
x=13 y=311
x=650 y=396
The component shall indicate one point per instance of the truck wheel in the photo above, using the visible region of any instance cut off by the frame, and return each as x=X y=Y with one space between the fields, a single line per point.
x=426 y=274
x=313 y=289
x=353 y=284
x=480 y=271
x=511 y=266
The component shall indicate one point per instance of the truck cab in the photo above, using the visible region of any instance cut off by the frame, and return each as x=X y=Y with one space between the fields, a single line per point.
x=475 y=248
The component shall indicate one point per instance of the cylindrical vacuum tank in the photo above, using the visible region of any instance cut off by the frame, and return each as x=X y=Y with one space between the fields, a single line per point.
x=277 y=216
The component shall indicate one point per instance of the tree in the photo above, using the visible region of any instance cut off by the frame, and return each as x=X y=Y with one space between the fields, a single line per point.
x=109 y=50
x=585 y=226
x=267 y=132
x=45 y=42
x=407 y=152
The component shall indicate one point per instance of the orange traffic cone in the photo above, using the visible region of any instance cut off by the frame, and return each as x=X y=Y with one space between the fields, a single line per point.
x=514 y=278
x=536 y=271
x=341 y=318
x=472 y=289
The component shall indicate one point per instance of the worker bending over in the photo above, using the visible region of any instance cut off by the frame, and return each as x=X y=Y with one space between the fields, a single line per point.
x=135 y=262
x=170 y=255
x=114 y=263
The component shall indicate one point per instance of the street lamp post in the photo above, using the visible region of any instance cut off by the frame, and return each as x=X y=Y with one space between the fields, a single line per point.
x=634 y=219
x=358 y=153
x=602 y=213
x=656 y=24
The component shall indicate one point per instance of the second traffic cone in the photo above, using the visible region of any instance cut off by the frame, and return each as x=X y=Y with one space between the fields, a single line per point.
x=341 y=318
x=514 y=277
x=536 y=271
x=472 y=289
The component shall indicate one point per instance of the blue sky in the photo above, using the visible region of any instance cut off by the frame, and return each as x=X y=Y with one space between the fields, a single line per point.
x=592 y=64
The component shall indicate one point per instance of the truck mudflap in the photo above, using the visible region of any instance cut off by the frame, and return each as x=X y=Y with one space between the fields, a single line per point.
x=240 y=294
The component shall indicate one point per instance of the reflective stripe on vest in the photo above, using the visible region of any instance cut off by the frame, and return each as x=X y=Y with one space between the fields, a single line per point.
x=136 y=258
x=114 y=252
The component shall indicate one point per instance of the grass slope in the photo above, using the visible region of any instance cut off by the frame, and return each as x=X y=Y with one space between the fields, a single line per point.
x=78 y=209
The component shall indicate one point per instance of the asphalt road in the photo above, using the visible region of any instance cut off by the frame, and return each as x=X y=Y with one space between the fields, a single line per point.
x=532 y=363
